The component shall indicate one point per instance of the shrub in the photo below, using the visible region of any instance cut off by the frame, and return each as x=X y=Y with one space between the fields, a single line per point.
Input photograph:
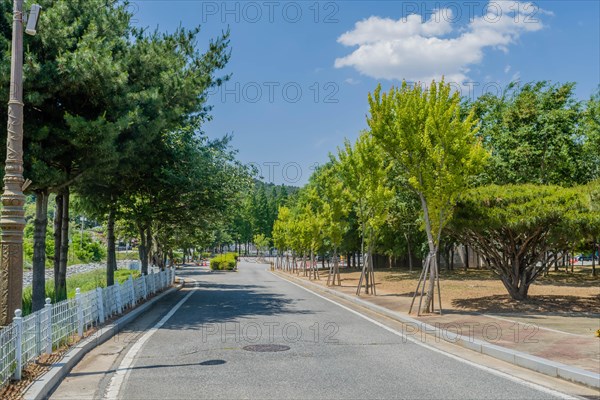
x=223 y=262
x=205 y=255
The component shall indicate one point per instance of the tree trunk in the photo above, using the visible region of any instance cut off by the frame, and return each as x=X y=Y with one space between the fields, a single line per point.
x=61 y=293
x=149 y=244
x=38 y=283
x=594 y=248
x=57 y=241
x=433 y=252
x=410 y=258
x=517 y=292
x=111 y=258
x=142 y=250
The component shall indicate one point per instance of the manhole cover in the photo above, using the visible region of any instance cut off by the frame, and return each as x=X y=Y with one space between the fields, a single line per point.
x=266 y=348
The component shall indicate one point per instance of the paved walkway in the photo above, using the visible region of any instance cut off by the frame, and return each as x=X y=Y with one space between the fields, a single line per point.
x=524 y=333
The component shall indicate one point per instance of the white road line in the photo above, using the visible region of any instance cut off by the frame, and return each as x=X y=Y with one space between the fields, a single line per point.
x=123 y=370
x=482 y=367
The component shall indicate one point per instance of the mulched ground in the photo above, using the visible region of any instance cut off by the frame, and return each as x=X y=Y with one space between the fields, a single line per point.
x=15 y=389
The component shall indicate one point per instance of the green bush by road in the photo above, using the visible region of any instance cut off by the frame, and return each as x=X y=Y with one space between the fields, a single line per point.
x=224 y=262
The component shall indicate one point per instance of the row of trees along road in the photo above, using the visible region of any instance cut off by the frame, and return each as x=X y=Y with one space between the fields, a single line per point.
x=513 y=176
x=113 y=113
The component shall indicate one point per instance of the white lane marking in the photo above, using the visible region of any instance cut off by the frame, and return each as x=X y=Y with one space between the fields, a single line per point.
x=123 y=370
x=492 y=371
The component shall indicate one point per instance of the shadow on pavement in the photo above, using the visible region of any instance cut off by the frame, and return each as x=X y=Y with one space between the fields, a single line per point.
x=156 y=366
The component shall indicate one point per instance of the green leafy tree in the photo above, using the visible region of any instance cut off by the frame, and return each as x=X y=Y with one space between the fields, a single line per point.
x=262 y=243
x=364 y=171
x=165 y=101
x=334 y=205
x=537 y=134
x=513 y=226
x=72 y=69
x=436 y=150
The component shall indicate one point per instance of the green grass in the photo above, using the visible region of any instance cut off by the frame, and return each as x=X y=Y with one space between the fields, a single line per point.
x=127 y=255
x=86 y=281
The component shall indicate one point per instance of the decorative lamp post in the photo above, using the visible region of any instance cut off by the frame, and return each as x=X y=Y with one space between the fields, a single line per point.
x=12 y=220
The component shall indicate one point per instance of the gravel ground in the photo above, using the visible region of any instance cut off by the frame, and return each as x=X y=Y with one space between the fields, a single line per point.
x=73 y=269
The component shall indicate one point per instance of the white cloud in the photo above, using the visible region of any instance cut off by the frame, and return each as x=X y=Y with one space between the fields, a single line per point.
x=417 y=50
x=351 y=81
x=507 y=69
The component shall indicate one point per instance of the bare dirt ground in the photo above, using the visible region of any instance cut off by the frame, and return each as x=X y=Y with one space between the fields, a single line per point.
x=480 y=291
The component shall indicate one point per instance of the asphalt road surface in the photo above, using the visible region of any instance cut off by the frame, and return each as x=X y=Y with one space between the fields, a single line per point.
x=308 y=347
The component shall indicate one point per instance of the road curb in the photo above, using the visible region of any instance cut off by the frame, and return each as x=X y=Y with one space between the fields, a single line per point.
x=534 y=363
x=42 y=387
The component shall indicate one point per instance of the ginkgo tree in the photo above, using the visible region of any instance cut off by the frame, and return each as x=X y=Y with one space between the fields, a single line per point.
x=364 y=171
x=437 y=152
x=281 y=240
x=311 y=230
x=334 y=206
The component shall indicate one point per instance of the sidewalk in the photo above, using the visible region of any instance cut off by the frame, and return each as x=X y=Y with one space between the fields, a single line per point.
x=522 y=334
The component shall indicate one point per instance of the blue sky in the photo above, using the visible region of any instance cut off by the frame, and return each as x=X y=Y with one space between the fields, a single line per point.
x=301 y=70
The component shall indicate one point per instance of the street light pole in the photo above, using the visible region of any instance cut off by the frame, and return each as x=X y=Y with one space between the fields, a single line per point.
x=12 y=220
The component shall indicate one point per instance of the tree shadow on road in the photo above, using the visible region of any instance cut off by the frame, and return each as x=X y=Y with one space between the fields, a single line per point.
x=216 y=303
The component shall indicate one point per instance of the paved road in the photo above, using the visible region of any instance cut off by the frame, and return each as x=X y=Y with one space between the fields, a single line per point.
x=198 y=352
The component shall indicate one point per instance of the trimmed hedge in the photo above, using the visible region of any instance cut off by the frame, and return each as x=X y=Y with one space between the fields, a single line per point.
x=224 y=262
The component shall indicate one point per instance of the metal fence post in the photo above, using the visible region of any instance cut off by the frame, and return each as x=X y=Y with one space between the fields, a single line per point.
x=100 y=302
x=48 y=311
x=79 y=312
x=18 y=321
x=38 y=333
x=132 y=289
x=145 y=286
x=110 y=301
x=117 y=289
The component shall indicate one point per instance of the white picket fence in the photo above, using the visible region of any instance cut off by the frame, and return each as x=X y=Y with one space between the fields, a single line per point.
x=56 y=325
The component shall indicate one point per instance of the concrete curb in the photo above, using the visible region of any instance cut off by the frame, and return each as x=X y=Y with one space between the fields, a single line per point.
x=42 y=387
x=538 y=364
